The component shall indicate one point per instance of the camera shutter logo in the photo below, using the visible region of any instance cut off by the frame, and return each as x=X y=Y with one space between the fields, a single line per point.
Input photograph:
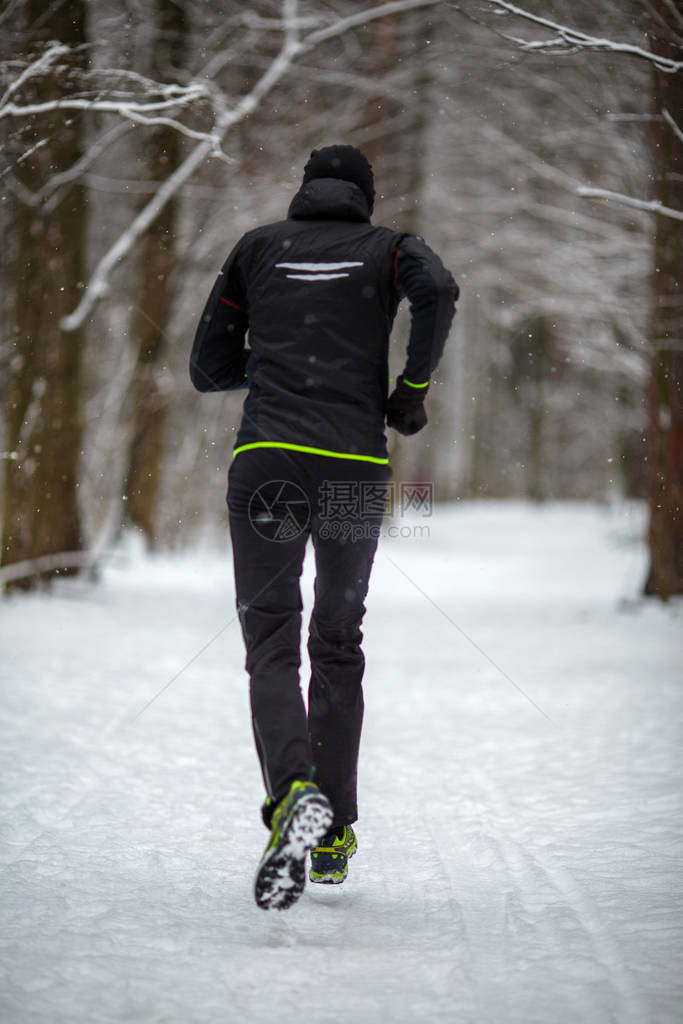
x=279 y=510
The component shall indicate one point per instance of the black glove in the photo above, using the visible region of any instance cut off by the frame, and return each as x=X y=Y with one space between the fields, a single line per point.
x=405 y=408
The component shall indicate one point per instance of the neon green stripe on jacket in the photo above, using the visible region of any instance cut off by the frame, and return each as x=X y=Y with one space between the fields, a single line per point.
x=307 y=448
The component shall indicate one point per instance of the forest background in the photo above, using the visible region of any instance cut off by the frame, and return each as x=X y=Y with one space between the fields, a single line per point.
x=537 y=148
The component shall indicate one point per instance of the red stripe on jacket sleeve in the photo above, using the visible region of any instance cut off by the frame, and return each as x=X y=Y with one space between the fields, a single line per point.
x=229 y=302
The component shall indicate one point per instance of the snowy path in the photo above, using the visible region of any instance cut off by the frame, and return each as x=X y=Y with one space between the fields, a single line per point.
x=515 y=864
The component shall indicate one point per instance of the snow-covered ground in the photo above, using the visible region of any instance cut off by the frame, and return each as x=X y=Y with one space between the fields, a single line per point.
x=521 y=777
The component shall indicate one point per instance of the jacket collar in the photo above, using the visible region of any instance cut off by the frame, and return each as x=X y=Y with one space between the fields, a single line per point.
x=329 y=199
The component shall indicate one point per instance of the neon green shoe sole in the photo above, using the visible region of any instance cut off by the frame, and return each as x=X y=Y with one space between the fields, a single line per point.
x=330 y=860
x=299 y=823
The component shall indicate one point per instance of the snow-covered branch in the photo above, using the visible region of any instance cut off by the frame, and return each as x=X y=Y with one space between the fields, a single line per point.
x=255 y=21
x=676 y=129
x=58 y=181
x=37 y=67
x=178 y=126
x=98 y=285
x=570 y=38
x=150 y=85
x=649 y=205
x=142 y=107
x=126 y=108
x=364 y=17
x=293 y=46
x=25 y=156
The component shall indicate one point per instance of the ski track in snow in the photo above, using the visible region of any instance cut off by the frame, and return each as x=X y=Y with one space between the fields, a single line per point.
x=539 y=880
x=508 y=870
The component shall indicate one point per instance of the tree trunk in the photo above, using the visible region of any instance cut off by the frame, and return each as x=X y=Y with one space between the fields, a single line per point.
x=665 y=456
x=153 y=298
x=538 y=342
x=40 y=514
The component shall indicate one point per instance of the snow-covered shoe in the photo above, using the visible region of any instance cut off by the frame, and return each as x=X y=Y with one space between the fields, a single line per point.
x=330 y=860
x=299 y=822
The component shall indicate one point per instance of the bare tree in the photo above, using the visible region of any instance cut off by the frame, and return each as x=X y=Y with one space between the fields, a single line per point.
x=40 y=514
x=41 y=94
x=665 y=59
x=665 y=492
x=153 y=294
x=487 y=139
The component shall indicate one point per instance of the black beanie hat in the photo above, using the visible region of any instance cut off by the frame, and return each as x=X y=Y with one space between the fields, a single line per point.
x=345 y=162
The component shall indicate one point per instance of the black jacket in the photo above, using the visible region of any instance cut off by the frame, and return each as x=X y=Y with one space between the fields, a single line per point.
x=318 y=294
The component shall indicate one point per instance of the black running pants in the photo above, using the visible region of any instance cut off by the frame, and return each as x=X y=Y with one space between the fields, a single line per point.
x=277 y=499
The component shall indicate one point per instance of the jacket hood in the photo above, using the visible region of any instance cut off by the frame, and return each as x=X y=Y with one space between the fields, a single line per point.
x=329 y=199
